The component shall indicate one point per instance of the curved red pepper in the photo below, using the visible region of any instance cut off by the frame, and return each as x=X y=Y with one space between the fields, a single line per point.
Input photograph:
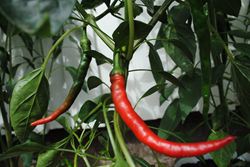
x=146 y=136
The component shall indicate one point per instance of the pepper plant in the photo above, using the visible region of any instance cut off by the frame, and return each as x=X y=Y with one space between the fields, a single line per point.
x=206 y=40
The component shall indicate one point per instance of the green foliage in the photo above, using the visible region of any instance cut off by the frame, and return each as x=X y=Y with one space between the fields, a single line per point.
x=208 y=50
x=29 y=102
x=41 y=17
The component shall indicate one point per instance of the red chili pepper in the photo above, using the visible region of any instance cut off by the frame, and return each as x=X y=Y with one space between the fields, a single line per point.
x=148 y=137
x=77 y=85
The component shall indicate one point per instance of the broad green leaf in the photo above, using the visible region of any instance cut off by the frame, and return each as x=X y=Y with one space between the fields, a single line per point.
x=151 y=91
x=149 y=4
x=200 y=21
x=121 y=34
x=180 y=14
x=43 y=17
x=231 y=7
x=29 y=102
x=27 y=147
x=100 y=58
x=240 y=69
x=85 y=110
x=137 y=10
x=223 y=156
x=171 y=78
x=155 y=64
x=243 y=48
x=48 y=158
x=168 y=90
x=170 y=119
x=93 y=82
x=240 y=33
x=62 y=120
x=191 y=88
x=26 y=159
x=178 y=54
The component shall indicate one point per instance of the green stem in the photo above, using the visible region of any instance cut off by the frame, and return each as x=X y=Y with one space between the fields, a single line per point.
x=105 y=38
x=154 y=20
x=111 y=137
x=43 y=67
x=110 y=9
x=91 y=21
x=130 y=16
x=117 y=64
x=75 y=160
x=120 y=140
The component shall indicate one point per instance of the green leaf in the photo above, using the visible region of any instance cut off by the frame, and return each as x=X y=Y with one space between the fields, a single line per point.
x=100 y=58
x=171 y=78
x=137 y=10
x=151 y=91
x=200 y=21
x=149 y=4
x=93 y=82
x=231 y=7
x=43 y=17
x=240 y=33
x=27 y=147
x=155 y=64
x=62 y=120
x=121 y=34
x=223 y=156
x=240 y=70
x=48 y=158
x=178 y=54
x=84 y=112
x=170 y=119
x=168 y=90
x=29 y=102
x=243 y=48
x=26 y=159
x=192 y=88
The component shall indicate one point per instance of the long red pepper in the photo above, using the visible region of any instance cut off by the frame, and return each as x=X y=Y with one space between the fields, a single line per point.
x=146 y=136
x=77 y=85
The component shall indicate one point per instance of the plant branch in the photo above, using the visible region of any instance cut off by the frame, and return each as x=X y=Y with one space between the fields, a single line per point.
x=154 y=20
x=130 y=16
x=121 y=140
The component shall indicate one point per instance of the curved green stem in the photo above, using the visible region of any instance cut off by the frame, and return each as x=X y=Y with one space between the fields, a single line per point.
x=105 y=38
x=117 y=64
x=46 y=60
x=89 y=19
x=130 y=15
x=111 y=137
x=121 y=141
